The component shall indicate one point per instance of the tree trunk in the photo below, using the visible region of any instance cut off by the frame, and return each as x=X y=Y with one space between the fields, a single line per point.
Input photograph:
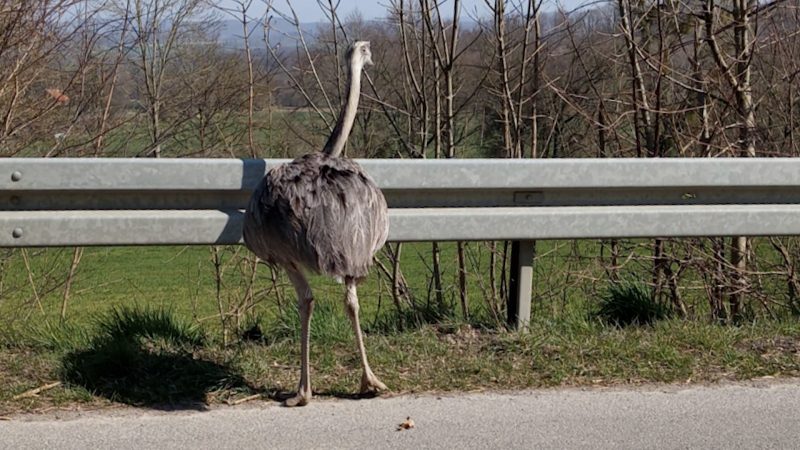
x=743 y=37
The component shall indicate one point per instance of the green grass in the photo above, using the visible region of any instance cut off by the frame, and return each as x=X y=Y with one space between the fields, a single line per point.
x=286 y=132
x=423 y=360
x=143 y=327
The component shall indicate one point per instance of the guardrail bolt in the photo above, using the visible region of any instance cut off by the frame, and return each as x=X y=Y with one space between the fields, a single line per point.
x=17 y=233
x=16 y=175
x=15 y=200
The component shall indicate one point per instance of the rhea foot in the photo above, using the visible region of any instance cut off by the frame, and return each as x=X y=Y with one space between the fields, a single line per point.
x=370 y=384
x=300 y=399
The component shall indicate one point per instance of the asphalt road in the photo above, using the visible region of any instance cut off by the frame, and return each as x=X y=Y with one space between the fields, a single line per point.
x=755 y=415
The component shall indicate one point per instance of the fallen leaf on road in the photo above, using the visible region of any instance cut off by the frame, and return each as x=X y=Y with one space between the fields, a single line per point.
x=408 y=424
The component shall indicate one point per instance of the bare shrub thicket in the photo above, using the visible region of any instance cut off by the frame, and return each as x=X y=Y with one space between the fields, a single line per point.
x=510 y=79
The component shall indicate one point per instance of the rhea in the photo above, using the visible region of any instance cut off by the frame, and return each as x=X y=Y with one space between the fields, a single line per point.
x=322 y=213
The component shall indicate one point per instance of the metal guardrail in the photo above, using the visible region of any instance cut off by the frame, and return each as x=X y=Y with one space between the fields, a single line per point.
x=65 y=202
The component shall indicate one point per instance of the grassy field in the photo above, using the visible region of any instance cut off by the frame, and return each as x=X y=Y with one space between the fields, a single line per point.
x=281 y=133
x=143 y=326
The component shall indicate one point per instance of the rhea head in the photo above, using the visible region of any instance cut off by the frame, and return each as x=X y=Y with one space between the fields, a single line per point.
x=359 y=54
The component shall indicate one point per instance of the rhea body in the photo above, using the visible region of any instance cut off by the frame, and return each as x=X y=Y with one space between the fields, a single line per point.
x=322 y=213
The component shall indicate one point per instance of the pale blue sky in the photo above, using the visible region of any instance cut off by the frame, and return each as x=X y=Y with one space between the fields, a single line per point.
x=309 y=11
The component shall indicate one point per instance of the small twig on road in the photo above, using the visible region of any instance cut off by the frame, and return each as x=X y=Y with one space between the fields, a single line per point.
x=244 y=399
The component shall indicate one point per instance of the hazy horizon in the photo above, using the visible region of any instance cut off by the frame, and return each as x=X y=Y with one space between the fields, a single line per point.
x=309 y=10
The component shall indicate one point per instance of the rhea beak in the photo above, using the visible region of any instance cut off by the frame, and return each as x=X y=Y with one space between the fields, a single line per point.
x=368 y=59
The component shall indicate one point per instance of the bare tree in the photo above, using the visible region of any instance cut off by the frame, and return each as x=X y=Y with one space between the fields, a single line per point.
x=736 y=71
x=34 y=36
x=241 y=13
x=158 y=27
x=443 y=41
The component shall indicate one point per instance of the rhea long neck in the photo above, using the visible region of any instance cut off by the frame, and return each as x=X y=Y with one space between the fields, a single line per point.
x=347 y=116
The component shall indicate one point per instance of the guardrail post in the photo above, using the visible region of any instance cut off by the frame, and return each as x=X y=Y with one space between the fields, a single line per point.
x=520 y=284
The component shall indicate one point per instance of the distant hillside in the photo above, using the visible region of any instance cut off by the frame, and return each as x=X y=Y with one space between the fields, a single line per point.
x=283 y=32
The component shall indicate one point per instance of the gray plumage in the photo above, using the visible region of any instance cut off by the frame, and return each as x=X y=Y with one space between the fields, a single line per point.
x=322 y=213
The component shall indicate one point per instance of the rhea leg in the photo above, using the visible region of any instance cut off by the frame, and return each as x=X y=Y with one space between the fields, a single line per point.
x=369 y=382
x=305 y=305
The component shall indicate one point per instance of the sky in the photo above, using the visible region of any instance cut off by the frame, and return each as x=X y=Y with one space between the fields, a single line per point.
x=309 y=11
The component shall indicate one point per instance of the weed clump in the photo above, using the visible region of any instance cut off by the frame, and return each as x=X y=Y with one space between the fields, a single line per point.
x=629 y=302
x=146 y=356
x=130 y=324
